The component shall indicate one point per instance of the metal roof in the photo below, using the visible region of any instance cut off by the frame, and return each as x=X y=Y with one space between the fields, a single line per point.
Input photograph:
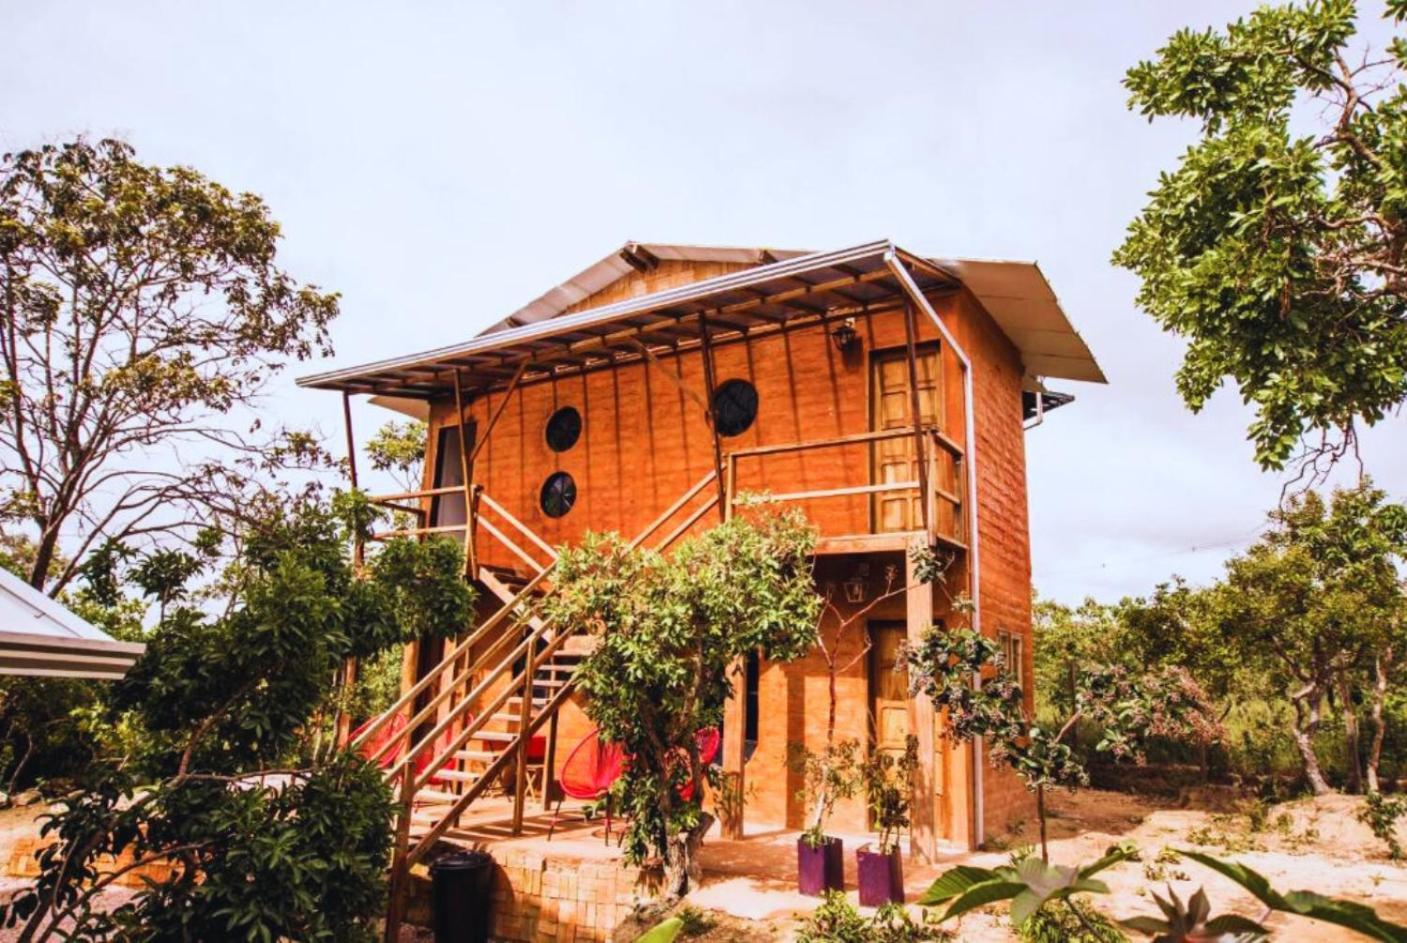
x=779 y=288
x=41 y=637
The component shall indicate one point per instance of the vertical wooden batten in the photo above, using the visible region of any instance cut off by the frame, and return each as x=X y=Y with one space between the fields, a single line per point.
x=923 y=841
x=466 y=475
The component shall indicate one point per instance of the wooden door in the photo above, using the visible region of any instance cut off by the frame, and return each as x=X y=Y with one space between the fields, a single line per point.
x=889 y=686
x=895 y=460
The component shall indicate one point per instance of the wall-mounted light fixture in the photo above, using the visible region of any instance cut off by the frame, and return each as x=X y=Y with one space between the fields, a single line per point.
x=857 y=586
x=845 y=337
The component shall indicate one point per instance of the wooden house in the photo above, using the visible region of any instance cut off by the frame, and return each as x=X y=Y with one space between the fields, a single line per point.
x=887 y=394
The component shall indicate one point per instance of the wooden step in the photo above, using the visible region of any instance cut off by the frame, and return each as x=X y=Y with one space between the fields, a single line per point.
x=475 y=756
x=458 y=776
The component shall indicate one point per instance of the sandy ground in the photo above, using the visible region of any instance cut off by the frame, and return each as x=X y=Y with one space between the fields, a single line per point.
x=1302 y=845
x=1306 y=844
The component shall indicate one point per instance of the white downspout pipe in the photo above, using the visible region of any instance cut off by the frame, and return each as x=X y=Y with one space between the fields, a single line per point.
x=911 y=288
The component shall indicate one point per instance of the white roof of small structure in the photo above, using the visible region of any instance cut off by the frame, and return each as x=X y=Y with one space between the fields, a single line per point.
x=40 y=637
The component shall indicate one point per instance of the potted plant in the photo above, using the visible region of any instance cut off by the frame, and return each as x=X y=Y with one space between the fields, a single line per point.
x=828 y=776
x=888 y=783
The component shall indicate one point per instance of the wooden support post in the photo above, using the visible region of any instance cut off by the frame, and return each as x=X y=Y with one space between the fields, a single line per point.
x=342 y=724
x=923 y=836
x=549 y=762
x=734 y=749
x=399 y=889
x=706 y=346
x=525 y=716
x=466 y=477
x=911 y=341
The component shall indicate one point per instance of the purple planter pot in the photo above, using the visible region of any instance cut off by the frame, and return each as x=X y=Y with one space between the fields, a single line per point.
x=820 y=869
x=881 y=878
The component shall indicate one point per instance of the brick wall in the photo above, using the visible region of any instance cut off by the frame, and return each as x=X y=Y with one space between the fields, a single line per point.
x=558 y=899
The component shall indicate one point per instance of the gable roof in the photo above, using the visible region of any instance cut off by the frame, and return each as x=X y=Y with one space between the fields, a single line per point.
x=1016 y=294
x=776 y=289
x=41 y=637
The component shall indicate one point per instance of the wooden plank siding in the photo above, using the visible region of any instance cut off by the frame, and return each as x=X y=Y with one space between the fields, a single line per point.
x=644 y=442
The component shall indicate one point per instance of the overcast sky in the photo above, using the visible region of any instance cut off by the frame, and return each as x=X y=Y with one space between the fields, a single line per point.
x=440 y=164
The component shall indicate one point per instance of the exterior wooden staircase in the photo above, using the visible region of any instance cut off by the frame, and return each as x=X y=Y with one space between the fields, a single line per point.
x=471 y=721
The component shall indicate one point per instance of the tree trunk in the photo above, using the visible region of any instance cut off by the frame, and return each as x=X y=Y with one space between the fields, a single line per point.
x=1351 y=739
x=1382 y=664
x=681 y=859
x=1308 y=702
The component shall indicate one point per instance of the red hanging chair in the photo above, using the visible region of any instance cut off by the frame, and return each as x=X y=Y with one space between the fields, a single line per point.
x=709 y=739
x=590 y=770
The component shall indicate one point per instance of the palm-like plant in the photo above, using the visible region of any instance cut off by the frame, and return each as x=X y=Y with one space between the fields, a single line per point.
x=1028 y=883
x=1192 y=922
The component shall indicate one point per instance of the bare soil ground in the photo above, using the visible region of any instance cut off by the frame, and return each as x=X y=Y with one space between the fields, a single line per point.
x=1307 y=844
x=1312 y=844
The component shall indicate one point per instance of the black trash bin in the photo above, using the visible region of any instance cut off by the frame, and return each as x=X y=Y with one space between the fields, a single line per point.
x=462 y=887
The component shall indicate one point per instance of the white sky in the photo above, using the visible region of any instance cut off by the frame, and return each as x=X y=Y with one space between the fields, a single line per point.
x=441 y=164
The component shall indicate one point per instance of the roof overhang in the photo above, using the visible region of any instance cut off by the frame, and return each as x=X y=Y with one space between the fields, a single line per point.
x=789 y=290
x=39 y=637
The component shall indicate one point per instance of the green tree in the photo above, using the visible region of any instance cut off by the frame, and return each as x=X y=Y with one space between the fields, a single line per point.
x=1065 y=640
x=398 y=448
x=142 y=308
x=667 y=631
x=1278 y=246
x=1318 y=601
x=268 y=838
x=1129 y=707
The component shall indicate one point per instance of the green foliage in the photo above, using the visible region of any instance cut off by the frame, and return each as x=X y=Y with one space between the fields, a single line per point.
x=668 y=629
x=837 y=921
x=662 y=933
x=1192 y=921
x=1129 y=708
x=1277 y=253
x=1027 y=882
x=399 y=448
x=827 y=776
x=1354 y=916
x=1074 y=921
x=887 y=781
x=143 y=305
x=270 y=839
x=1380 y=813
x=1316 y=600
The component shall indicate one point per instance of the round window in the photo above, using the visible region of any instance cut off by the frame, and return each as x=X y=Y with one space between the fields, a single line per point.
x=563 y=429
x=734 y=407
x=558 y=494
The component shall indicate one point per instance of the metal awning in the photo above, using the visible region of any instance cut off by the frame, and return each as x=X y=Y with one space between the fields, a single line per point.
x=40 y=637
x=779 y=290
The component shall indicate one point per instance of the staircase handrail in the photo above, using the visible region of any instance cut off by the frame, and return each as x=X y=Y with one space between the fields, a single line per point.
x=428 y=840
x=433 y=674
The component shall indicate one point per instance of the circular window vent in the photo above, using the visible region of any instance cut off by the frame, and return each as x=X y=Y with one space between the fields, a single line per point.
x=734 y=407
x=558 y=494
x=563 y=429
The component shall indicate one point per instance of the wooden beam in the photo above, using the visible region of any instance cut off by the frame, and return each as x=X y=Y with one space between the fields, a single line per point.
x=466 y=479
x=342 y=725
x=923 y=841
x=910 y=340
x=734 y=749
x=673 y=378
x=710 y=382
x=498 y=411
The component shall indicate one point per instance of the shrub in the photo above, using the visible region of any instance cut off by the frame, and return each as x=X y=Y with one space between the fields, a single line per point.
x=837 y=921
x=1071 y=921
x=1380 y=813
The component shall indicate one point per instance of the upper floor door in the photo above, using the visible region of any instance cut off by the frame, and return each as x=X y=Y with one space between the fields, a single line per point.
x=448 y=510
x=895 y=460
